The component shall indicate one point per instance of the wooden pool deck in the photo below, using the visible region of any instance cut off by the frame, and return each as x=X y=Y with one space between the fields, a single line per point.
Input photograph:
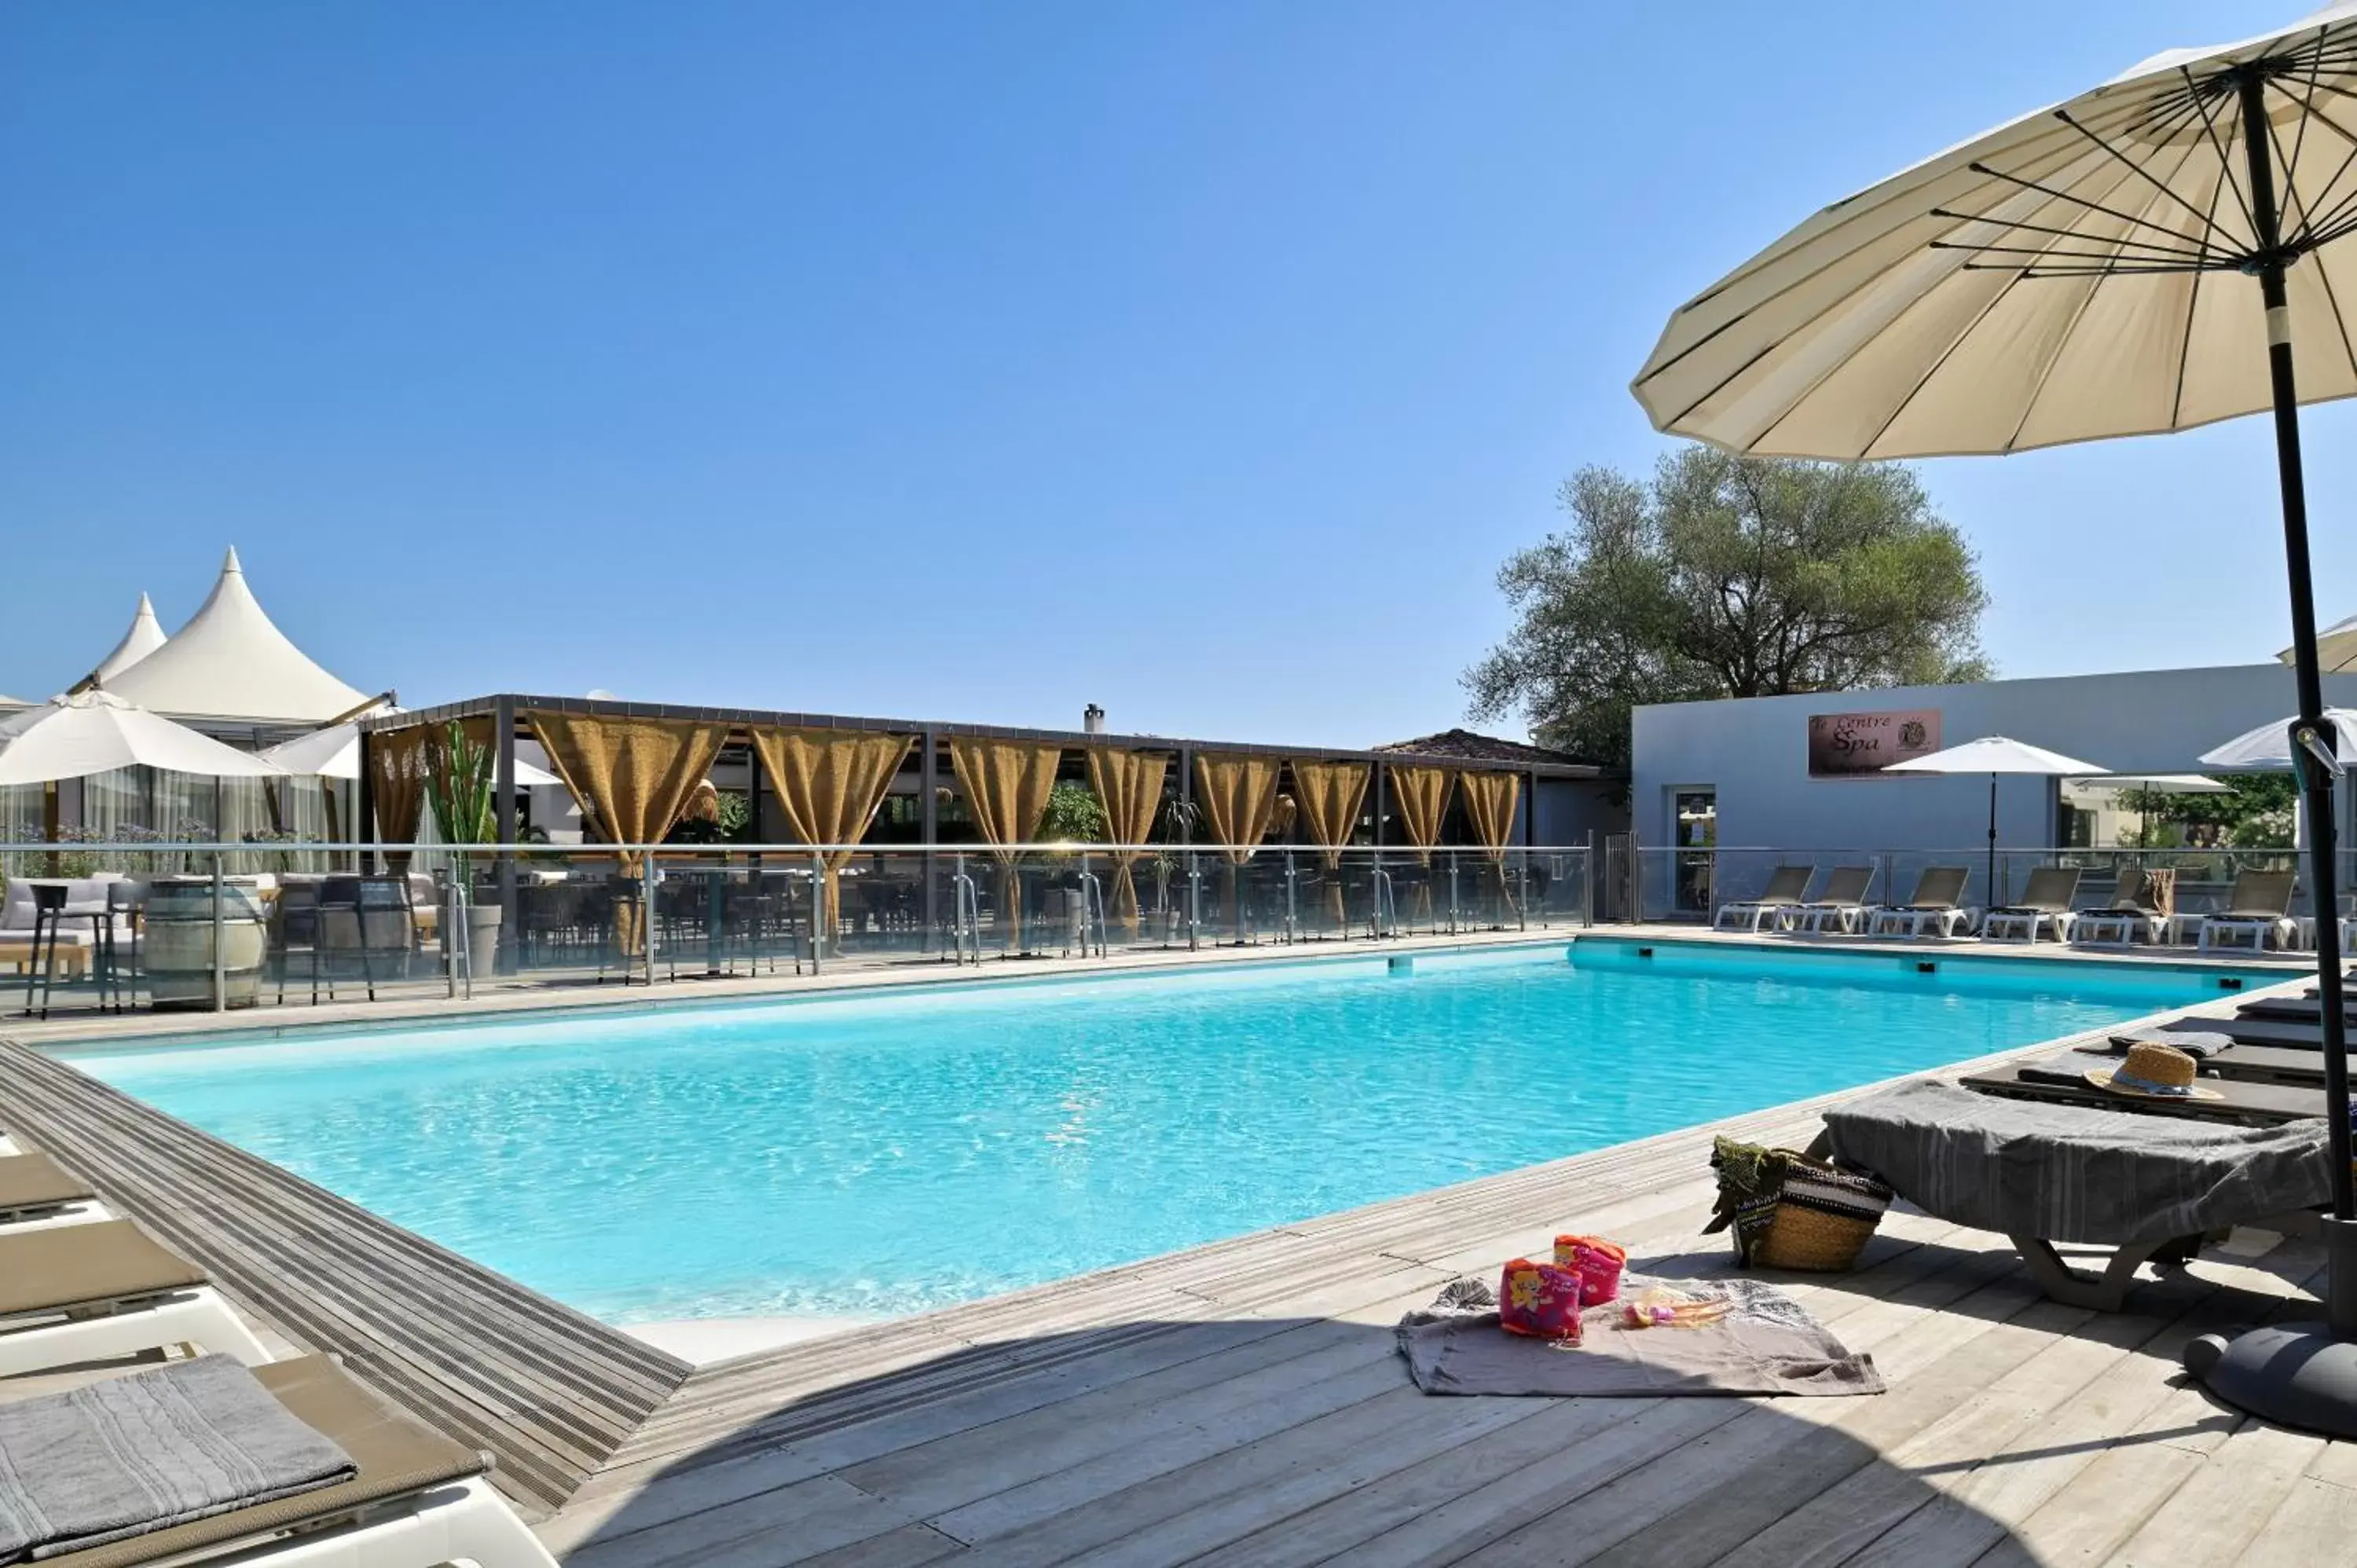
x=1241 y=1403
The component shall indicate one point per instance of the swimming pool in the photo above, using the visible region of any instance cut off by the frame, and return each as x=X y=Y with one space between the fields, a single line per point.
x=878 y=1154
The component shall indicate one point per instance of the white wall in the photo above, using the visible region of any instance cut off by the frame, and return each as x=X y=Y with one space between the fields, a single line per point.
x=1755 y=752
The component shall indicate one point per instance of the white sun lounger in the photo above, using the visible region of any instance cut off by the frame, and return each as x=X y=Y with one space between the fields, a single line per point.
x=91 y=1292
x=418 y=1498
x=1783 y=894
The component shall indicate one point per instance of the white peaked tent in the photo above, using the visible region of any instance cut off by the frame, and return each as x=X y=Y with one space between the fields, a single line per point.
x=230 y=661
x=335 y=753
x=145 y=636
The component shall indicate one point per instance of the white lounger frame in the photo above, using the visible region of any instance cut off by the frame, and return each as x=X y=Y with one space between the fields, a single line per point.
x=1891 y=920
x=2023 y=924
x=195 y=1316
x=1753 y=916
x=465 y=1521
x=2264 y=931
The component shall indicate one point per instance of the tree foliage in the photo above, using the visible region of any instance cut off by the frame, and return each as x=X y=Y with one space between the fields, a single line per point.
x=1728 y=576
x=1074 y=815
x=2255 y=814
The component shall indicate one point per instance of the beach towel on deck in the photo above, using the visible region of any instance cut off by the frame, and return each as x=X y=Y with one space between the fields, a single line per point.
x=1767 y=1345
x=2074 y=1173
x=140 y=1453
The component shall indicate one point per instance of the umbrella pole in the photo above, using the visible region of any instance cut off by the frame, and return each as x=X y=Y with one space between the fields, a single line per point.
x=2300 y=1374
x=1989 y=890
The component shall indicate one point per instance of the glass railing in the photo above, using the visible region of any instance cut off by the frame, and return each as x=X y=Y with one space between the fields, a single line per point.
x=1692 y=885
x=128 y=925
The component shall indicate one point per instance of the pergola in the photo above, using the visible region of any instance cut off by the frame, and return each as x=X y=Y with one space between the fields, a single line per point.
x=1335 y=791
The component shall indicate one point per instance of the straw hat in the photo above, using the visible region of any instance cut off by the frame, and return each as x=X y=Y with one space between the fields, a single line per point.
x=2152 y=1072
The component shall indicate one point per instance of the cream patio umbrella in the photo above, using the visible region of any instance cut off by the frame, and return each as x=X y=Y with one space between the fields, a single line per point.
x=1995 y=754
x=98 y=732
x=2336 y=647
x=2141 y=258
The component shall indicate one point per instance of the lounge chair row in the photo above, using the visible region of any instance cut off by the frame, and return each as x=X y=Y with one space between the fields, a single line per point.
x=2256 y=916
x=78 y=1285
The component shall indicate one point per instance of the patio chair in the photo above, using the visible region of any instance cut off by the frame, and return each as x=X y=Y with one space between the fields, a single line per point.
x=1839 y=904
x=416 y=1497
x=1787 y=888
x=1936 y=904
x=2258 y=907
x=88 y=1292
x=2037 y=1174
x=2045 y=902
x=2140 y=909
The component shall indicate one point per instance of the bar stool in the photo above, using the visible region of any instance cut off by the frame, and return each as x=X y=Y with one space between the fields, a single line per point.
x=48 y=913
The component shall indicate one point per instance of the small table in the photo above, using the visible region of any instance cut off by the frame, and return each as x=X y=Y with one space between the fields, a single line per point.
x=68 y=963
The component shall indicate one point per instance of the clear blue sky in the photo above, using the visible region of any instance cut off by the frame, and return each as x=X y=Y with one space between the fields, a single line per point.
x=974 y=362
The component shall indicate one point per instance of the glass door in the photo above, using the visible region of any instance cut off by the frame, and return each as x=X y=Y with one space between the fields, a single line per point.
x=1695 y=823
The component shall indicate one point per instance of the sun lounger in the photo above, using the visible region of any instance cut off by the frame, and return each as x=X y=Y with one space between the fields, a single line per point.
x=418 y=1497
x=1937 y=904
x=2045 y=902
x=35 y=1190
x=2237 y=1101
x=2257 y=914
x=86 y=1292
x=1840 y=903
x=2139 y=911
x=1786 y=886
x=2039 y=1174
x=2299 y=1009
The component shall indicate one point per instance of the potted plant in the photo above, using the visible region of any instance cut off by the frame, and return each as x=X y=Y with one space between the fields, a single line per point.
x=458 y=787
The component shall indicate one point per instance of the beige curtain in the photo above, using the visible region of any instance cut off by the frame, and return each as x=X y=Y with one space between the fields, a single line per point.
x=1420 y=798
x=1490 y=800
x=632 y=778
x=1006 y=785
x=1332 y=795
x=397 y=764
x=1238 y=797
x=1129 y=785
x=829 y=784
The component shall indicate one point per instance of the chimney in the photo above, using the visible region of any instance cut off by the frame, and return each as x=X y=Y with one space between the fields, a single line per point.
x=1093 y=719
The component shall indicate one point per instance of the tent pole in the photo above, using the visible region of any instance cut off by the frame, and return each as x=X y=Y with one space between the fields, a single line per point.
x=2299 y=1374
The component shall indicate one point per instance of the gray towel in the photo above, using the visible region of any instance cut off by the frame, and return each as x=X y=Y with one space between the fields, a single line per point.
x=1767 y=1345
x=2198 y=1044
x=2071 y=1172
x=146 y=1452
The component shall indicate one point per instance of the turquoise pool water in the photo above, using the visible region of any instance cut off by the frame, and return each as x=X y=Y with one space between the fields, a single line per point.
x=882 y=1153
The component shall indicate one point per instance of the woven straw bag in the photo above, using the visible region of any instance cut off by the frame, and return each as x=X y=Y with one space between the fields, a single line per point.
x=1790 y=1210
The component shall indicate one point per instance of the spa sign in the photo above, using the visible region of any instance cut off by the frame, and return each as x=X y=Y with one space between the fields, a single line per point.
x=1850 y=746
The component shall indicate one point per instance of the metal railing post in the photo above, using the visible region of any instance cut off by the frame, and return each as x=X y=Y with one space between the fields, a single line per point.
x=1289 y=915
x=1194 y=904
x=647 y=916
x=820 y=933
x=221 y=943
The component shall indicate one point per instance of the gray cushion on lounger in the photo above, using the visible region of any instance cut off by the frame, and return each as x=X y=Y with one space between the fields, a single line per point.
x=127 y=1456
x=2194 y=1043
x=2070 y=1173
x=34 y=1181
x=88 y=1265
x=397 y=1457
